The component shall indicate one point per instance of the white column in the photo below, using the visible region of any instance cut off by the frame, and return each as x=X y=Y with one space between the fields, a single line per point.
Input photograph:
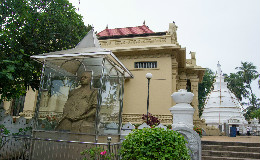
x=182 y=112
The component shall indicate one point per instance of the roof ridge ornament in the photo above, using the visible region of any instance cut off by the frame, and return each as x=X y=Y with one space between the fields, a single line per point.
x=173 y=31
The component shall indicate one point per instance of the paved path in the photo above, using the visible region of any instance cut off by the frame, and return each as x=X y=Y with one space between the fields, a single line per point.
x=245 y=139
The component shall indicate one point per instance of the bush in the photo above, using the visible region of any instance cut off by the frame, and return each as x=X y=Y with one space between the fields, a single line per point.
x=137 y=125
x=152 y=120
x=97 y=153
x=169 y=126
x=198 y=130
x=154 y=143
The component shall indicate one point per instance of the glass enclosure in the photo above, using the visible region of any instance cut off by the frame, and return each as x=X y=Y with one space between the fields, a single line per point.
x=81 y=95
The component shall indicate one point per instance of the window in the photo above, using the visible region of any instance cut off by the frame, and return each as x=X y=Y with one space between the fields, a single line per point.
x=145 y=64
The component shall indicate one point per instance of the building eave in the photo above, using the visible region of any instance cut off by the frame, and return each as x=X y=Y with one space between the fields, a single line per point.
x=143 y=48
x=132 y=35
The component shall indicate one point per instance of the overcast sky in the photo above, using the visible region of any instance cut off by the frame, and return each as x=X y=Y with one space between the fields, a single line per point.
x=227 y=31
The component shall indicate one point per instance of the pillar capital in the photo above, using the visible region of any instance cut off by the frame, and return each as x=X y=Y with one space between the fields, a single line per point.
x=194 y=80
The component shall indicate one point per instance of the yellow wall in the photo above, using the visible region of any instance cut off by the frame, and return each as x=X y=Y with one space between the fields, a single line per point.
x=136 y=89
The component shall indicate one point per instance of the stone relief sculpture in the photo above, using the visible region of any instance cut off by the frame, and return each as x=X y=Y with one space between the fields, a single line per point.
x=193 y=139
x=80 y=109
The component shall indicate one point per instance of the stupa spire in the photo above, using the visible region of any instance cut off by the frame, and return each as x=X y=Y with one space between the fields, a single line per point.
x=219 y=71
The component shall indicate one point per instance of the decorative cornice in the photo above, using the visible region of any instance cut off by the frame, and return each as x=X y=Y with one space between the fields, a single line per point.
x=139 y=56
x=139 y=43
x=137 y=118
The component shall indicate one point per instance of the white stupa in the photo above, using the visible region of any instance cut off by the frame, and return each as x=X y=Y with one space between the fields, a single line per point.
x=222 y=106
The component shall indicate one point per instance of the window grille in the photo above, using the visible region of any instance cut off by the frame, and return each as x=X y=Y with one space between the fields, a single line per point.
x=145 y=64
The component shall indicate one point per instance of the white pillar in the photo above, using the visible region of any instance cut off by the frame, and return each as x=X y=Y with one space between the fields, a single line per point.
x=182 y=112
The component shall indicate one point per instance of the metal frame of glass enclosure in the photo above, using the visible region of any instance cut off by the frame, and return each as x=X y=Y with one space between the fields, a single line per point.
x=60 y=75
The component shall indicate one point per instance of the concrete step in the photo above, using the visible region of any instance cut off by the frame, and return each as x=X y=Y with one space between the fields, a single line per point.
x=230 y=148
x=233 y=154
x=230 y=143
x=224 y=158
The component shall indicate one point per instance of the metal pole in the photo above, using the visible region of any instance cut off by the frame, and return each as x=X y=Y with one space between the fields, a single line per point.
x=148 y=99
x=219 y=99
x=109 y=139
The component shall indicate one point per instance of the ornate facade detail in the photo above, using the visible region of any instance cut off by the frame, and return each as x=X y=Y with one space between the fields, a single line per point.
x=172 y=31
x=150 y=55
x=174 y=71
x=27 y=113
x=182 y=81
x=137 y=118
x=194 y=90
x=105 y=43
x=188 y=61
x=137 y=41
x=43 y=114
x=192 y=61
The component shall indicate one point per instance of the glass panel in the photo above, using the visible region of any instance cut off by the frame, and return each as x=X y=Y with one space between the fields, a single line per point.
x=69 y=96
x=54 y=94
x=107 y=67
x=81 y=96
x=110 y=109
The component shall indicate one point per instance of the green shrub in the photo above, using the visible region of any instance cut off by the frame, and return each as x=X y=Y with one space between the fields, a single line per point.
x=169 y=126
x=137 y=125
x=198 y=130
x=154 y=143
x=97 y=153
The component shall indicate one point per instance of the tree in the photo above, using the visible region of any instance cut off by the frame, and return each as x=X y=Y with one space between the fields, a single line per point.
x=259 y=83
x=205 y=88
x=32 y=27
x=256 y=113
x=240 y=84
x=236 y=85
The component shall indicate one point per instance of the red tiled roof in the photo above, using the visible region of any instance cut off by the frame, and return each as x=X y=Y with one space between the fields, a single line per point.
x=125 y=31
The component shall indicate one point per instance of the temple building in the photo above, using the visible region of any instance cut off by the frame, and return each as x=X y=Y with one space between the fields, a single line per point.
x=141 y=51
x=222 y=109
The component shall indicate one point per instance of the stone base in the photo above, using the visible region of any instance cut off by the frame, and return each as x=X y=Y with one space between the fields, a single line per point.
x=210 y=131
x=182 y=115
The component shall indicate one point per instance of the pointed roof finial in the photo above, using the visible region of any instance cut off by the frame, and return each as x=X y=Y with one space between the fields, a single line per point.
x=219 y=71
x=107 y=26
x=144 y=22
x=218 y=65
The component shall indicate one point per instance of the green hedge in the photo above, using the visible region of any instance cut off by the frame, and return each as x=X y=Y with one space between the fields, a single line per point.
x=154 y=143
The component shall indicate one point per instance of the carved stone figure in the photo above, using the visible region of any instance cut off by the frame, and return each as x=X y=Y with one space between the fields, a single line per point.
x=80 y=109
